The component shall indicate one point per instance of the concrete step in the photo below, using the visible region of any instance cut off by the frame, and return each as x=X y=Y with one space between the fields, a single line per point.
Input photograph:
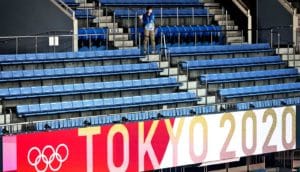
x=224 y=23
x=103 y=19
x=109 y=25
x=182 y=78
x=169 y=71
x=118 y=37
x=222 y=17
x=215 y=11
x=199 y=92
x=208 y=100
x=212 y=5
x=284 y=50
x=188 y=85
x=234 y=33
x=123 y=43
x=98 y=13
x=290 y=57
x=163 y=65
x=86 y=5
x=115 y=30
x=294 y=64
x=151 y=58
x=230 y=28
x=235 y=39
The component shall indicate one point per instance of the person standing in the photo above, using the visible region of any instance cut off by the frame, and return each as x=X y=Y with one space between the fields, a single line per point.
x=148 y=20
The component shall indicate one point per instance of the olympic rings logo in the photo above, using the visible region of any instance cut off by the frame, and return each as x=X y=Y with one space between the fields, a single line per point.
x=48 y=157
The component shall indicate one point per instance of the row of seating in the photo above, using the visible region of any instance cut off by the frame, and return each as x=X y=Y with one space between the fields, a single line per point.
x=93 y=48
x=71 y=3
x=137 y=3
x=132 y=13
x=259 y=90
x=103 y=104
x=69 y=56
x=84 y=88
x=74 y=72
x=92 y=34
x=268 y=103
x=219 y=49
x=84 y=14
x=184 y=32
x=248 y=76
x=230 y=63
x=139 y=116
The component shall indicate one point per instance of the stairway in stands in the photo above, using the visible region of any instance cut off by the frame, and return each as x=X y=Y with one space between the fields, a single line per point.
x=234 y=35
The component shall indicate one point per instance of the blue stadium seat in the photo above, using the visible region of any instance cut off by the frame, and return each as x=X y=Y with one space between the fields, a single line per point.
x=101 y=104
x=231 y=63
x=70 y=57
x=158 y=3
x=84 y=14
x=259 y=90
x=75 y=72
x=125 y=13
x=219 y=49
x=248 y=76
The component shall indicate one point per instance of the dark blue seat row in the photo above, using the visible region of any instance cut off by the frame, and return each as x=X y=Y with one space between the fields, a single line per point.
x=259 y=90
x=84 y=14
x=219 y=49
x=197 y=12
x=230 y=62
x=102 y=104
x=248 y=76
x=184 y=32
x=74 y=72
x=120 y=3
x=138 y=116
x=98 y=87
x=268 y=103
x=69 y=56
x=71 y=3
x=93 y=34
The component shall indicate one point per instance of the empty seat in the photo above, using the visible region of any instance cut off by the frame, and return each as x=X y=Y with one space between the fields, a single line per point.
x=219 y=49
x=230 y=62
x=248 y=76
x=102 y=104
x=85 y=88
x=259 y=90
x=25 y=75
x=72 y=56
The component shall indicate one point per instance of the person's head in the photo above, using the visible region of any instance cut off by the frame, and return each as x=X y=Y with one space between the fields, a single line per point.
x=149 y=9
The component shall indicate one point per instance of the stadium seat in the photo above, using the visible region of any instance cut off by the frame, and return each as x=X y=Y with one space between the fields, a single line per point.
x=135 y=3
x=248 y=76
x=85 y=88
x=132 y=13
x=230 y=63
x=219 y=49
x=75 y=72
x=70 y=56
x=84 y=14
x=102 y=104
x=259 y=90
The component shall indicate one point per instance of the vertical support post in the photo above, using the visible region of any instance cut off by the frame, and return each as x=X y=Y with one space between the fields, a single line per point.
x=36 y=44
x=136 y=29
x=17 y=45
x=278 y=43
x=193 y=15
x=226 y=24
x=127 y=17
x=249 y=27
x=161 y=16
x=177 y=16
x=271 y=38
